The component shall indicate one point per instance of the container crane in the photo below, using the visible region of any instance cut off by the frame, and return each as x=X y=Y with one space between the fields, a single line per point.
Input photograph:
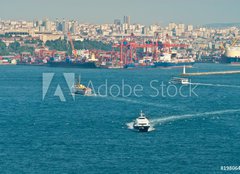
x=74 y=51
x=128 y=47
x=234 y=42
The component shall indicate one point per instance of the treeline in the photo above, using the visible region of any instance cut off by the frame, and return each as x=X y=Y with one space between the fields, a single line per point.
x=64 y=45
x=59 y=44
x=14 y=47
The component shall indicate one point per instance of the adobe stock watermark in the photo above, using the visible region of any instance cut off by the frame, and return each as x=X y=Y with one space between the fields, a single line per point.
x=46 y=82
x=154 y=89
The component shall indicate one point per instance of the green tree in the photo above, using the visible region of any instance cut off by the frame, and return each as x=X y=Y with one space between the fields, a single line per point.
x=60 y=45
x=3 y=48
x=14 y=47
x=26 y=49
x=64 y=45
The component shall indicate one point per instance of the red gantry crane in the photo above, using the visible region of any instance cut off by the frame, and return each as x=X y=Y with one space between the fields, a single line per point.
x=128 y=48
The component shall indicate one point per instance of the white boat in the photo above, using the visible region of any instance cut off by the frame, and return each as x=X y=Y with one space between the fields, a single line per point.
x=142 y=124
x=178 y=80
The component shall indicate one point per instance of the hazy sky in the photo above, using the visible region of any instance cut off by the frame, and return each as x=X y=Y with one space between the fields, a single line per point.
x=141 y=11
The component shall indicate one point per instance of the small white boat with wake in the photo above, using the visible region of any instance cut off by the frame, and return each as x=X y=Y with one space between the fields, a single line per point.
x=142 y=124
x=178 y=80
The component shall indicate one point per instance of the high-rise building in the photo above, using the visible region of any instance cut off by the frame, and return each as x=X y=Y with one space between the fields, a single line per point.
x=126 y=20
x=65 y=26
x=172 y=26
x=73 y=28
x=47 y=24
x=58 y=25
x=144 y=30
x=189 y=28
x=117 y=22
x=181 y=27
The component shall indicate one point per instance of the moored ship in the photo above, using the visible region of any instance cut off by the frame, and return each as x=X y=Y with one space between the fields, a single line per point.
x=231 y=55
x=172 y=60
x=73 y=63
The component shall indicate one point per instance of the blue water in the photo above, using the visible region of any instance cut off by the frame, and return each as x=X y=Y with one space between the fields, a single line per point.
x=196 y=134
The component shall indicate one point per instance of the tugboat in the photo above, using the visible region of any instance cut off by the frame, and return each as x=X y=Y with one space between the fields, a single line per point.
x=79 y=88
x=142 y=124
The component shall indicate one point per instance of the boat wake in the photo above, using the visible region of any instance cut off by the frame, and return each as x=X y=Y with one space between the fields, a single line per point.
x=127 y=100
x=162 y=120
x=217 y=85
x=189 y=116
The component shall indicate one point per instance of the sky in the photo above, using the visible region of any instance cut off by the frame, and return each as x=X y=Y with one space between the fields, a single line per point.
x=196 y=12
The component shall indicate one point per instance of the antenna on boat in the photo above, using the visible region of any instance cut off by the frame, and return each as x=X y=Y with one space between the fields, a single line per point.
x=141 y=113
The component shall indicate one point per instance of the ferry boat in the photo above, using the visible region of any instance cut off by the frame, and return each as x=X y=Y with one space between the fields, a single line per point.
x=79 y=88
x=177 y=80
x=142 y=124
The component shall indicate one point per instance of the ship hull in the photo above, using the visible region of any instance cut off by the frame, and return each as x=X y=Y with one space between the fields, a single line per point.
x=230 y=60
x=142 y=128
x=73 y=64
x=170 y=64
x=81 y=92
x=136 y=65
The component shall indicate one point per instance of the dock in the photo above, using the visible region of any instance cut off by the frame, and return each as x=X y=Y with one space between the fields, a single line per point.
x=208 y=73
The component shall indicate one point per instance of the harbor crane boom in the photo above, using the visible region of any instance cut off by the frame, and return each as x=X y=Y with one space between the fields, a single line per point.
x=74 y=51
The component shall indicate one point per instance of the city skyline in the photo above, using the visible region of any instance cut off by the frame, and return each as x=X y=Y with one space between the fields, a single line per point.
x=156 y=11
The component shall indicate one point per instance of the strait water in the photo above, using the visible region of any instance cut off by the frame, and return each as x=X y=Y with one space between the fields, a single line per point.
x=193 y=134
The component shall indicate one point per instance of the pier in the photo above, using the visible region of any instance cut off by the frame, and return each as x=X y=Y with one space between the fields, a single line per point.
x=208 y=73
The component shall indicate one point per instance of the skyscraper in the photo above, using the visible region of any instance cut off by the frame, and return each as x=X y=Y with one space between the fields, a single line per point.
x=65 y=26
x=172 y=26
x=126 y=20
x=190 y=28
x=48 y=25
x=73 y=28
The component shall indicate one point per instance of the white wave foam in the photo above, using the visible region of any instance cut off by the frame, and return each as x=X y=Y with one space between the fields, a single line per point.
x=130 y=125
x=181 y=117
x=217 y=85
x=162 y=120
x=137 y=102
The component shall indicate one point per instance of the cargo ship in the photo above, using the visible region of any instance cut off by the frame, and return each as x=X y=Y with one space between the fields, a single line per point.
x=75 y=64
x=146 y=62
x=231 y=56
x=138 y=65
x=172 y=60
x=72 y=63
